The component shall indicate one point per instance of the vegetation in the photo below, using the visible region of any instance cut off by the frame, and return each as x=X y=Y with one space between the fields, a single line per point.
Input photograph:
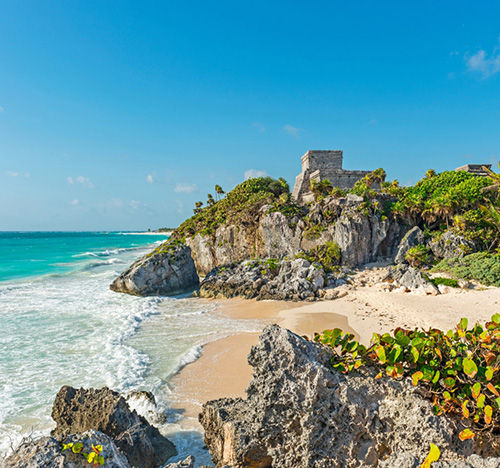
x=320 y=188
x=240 y=206
x=364 y=187
x=452 y=283
x=459 y=371
x=94 y=457
x=418 y=256
x=481 y=266
x=327 y=255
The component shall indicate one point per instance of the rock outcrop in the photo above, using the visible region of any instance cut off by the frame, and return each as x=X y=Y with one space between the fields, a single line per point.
x=299 y=412
x=270 y=278
x=363 y=235
x=450 y=245
x=168 y=270
x=46 y=452
x=413 y=237
x=410 y=279
x=76 y=411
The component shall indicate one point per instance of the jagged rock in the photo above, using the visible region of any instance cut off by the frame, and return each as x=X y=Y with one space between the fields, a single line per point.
x=46 y=452
x=450 y=245
x=413 y=237
x=265 y=279
x=78 y=410
x=168 y=270
x=410 y=278
x=299 y=412
x=186 y=463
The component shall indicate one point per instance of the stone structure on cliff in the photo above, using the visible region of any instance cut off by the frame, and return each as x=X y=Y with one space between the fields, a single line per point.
x=475 y=169
x=320 y=165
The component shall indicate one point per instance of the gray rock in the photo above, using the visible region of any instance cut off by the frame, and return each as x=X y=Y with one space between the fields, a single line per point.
x=168 y=270
x=78 y=410
x=410 y=278
x=47 y=452
x=186 y=463
x=301 y=413
x=450 y=245
x=413 y=237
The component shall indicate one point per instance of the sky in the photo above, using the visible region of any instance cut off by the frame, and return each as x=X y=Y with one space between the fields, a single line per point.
x=121 y=115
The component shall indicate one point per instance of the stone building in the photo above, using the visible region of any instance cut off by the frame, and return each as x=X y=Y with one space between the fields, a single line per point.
x=320 y=165
x=476 y=169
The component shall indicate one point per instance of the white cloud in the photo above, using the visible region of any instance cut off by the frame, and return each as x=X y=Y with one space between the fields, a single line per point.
x=481 y=62
x=75 y=202
x=259 y=127
x=85 y=181
x=2 y=109
x=180 y=206
x=251 y=173
x=185 y=188
x=26 y=175
x=293 y=131
x=134 y=204
x=149 y=179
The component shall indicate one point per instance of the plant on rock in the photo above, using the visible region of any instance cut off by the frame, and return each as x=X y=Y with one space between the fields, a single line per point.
x=418 y=256
x=94 y=457
x=459 y=371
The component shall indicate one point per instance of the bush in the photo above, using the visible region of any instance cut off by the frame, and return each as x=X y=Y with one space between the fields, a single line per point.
x=452 y=283
x=458 y=370
x=327 y=255
x=418 y=256
x=482 y=267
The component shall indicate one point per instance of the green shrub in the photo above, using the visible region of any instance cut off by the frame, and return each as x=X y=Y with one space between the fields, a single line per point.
x=482 y=267
x=458 y=370
x=453 y=283
x=313 y=231
x=418 y=256
x=327 y=255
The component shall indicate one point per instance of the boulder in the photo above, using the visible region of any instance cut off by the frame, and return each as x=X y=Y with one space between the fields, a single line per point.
x=301 y=412
x=167 y=270
x=450 y=245
x=78 y=410
x=413 y=237
x=410 y=279
x=47 y=452
x=186 y=463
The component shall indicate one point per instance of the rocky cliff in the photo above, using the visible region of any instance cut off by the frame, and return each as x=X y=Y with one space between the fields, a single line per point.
x=299 y=412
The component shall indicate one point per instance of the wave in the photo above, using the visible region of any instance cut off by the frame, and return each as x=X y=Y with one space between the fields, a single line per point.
x=108 y=252
x=192 y=355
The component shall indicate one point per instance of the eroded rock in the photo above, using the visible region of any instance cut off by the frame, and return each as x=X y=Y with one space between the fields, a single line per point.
x=451 y=245
x=413 y=237
x=168 y=270
x=300 y=413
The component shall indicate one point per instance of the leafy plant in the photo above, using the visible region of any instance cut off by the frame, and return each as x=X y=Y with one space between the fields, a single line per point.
x=452 y=283
x=320 y=188
x=481 y=266
x=459 y=371
x=94 y=457
x=418 y=256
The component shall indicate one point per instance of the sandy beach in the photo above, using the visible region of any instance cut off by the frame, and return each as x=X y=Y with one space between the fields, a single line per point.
x=223 y=371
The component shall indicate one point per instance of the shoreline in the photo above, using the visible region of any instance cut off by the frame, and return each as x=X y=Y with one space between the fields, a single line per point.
x=222 y=369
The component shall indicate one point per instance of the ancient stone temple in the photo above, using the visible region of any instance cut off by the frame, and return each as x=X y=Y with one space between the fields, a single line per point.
x=476 y=169
x=319 y=165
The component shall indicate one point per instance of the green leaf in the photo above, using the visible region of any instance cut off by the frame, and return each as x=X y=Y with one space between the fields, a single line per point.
x=78 y=447
x=488 y=373
x=496 y=318
x=402 y=339
x=476 y=390
x=463 y=324
x=380 y=352
x=415 y=354
x=470 y=367
x=488 y=412
x=416 y=377
x=449 y=382
x=480 y=400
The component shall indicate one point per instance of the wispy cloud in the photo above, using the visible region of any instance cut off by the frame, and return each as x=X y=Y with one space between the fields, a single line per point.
x=150 y=179
x=260 y=128
x=251 y=173
x=85 y=181
x=2 y=109
x=185 y=188
x=293 y=131
x=26 y=175
x=134 y=204
x=75 y=202
x=483 y=63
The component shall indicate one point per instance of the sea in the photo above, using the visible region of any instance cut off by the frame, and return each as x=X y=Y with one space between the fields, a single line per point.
x=62 y=325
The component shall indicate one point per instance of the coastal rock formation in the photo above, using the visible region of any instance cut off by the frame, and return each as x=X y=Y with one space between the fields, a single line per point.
x=451 y=245
x=76 y=411
x=411 y=279
x=413 y=237
x=46 y=452
x=300 y=412
x=168 y=270
x=269 y=278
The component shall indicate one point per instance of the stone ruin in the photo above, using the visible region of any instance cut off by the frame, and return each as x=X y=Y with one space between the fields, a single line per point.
x=320 y=165
x=475 y=169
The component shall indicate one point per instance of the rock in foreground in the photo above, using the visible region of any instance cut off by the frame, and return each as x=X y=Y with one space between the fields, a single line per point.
x=168 y=270
x=76 y=411
x=301 y=413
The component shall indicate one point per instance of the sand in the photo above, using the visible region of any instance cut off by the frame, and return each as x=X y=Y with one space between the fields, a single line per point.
x=223 y=371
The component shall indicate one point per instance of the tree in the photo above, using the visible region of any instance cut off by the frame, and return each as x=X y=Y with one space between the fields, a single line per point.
x=198 y=206
x=320 y=188
x=210 y=200
x=219 y=191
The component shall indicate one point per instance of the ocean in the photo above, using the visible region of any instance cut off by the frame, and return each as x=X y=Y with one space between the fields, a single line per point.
x=61 y=325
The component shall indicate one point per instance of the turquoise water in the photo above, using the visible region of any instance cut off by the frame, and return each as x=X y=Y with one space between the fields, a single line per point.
x=62 y=325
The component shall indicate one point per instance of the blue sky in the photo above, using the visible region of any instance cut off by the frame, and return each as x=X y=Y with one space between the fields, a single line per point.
x=120 y=115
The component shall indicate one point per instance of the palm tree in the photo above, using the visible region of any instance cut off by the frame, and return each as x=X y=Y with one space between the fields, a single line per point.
x=219 y=191
x=495 y=187
x=198 y=206
x=210 y=200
